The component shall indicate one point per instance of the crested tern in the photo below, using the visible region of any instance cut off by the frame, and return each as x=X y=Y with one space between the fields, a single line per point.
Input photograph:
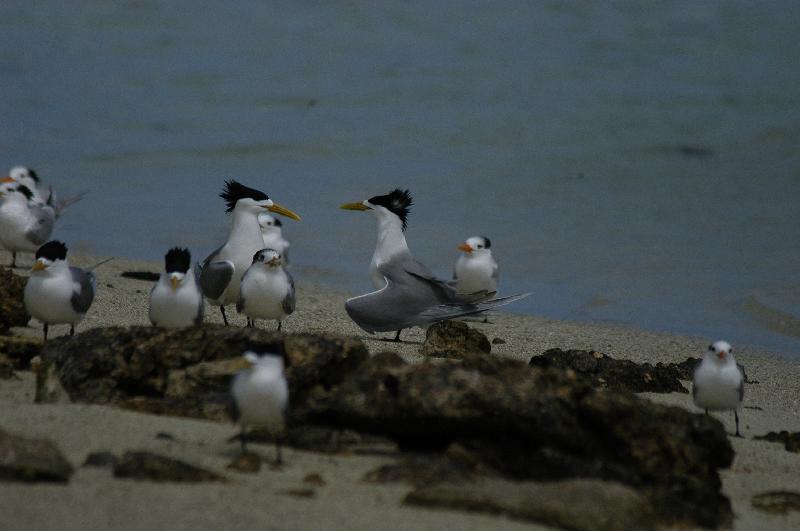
x=221 y=272
x=267 y=289
x=24 y=226
x=260 y=398
x=718 y=383
x=28 y=177
x=57 y=293
x=176 y=300
x=408 y=293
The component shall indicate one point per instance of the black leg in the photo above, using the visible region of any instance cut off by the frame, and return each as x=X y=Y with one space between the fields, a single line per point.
x=45 y=331
x=736 y=417
x=224 y=317
x=279 y=326
x=13 y=258
x=397 y=337
x=72 y=330
x=706 y=412
x=278 y=455
x=243 y=441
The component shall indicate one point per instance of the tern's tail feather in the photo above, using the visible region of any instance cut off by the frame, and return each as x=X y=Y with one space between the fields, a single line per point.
x=59 y=204
x=451 y=311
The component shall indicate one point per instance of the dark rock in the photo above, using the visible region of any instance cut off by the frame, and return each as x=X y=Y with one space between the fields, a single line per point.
x=315 y=438
x=12 y=307
x=583 y=504
x=421 y=469
x=147 y=276
x=101 y=459
x=6 y=368
x=386 y=358
x=454 y=339
x=186 y=371
x=20 y=350
x=154 y=467
x=23 y=459
x=777 y=501
x=791 y=441
x=498 y=341
x=165 y=436
x=314 y=479
x=543 y=424
x=606 y=371
x=247 y=462
x=300 y=493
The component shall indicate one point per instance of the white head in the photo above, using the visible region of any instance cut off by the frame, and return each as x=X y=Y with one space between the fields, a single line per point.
x=720 y=352
x=49 y=256
x=24 y=175
x=269 y=224
x=476 y=245
x=269 y=258
x=265 y=362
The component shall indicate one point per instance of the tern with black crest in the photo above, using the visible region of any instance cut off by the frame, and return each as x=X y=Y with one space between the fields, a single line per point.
x=408 y=293
x=267 y=290
x=176 y=300
x=57 y=293
x=24 y=224
x=221 y=273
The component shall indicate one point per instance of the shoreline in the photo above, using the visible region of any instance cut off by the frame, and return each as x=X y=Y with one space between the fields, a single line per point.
x=345 y=501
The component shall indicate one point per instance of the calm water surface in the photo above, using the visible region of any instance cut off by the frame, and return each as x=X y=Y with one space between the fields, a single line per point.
x=633 y=162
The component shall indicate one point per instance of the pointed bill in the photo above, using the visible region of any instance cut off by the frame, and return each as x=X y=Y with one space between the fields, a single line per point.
x=283 y=211
x=355 y=206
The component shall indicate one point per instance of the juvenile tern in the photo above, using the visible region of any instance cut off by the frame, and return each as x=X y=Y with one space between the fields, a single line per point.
x=26 y=176
x=718 y=383
x=272 y=233
x=221 y=273
x=176 y=300
x=57 y=293
x=267 y=289
x=408 y=294
x=475 y=269
x=260 y=398
x=24 y=226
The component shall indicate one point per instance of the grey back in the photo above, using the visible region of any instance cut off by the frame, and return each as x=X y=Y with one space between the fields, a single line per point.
x=82 y=300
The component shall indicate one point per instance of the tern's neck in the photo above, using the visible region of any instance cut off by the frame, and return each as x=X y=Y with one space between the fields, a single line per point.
x=244 y=227
x=391 y=240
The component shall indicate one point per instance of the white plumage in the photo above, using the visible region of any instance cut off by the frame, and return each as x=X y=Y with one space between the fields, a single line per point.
x=176 y=300
x=267 y=289
x=272 y=235
x=718 y=384
x=476 y=270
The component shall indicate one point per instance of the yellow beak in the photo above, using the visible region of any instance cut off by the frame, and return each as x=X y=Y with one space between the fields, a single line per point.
x=283 y=211
x=174 y=283
x=355 y=206
x=7 y=179
x=465 y=247
x=38 y=266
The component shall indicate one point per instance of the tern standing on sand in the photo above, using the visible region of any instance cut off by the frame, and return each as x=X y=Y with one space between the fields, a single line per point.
x=57 y=293
x=267 y=290
x=176 y=300
x=718 y=384
x=221 y=273
x=475 y=269
x=260 y=398
x=408 y=294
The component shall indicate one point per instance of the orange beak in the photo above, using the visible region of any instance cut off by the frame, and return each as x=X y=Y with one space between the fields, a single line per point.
x=174 y=282
x=721 y=354
x=7 y=179
x=465 y=247
x=38 y=266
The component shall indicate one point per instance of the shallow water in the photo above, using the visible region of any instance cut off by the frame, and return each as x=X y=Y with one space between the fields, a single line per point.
x=632 y=163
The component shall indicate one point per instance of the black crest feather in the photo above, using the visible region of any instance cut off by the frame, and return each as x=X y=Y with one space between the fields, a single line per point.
x=397 y=201
x=235 y=190
x=487 y=242
x=24 y=190
x=278 y=223
x=177 y=260
x=52 y=250
x=33 y=175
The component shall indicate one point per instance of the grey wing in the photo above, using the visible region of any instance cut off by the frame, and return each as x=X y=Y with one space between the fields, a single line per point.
x=240 y=297
x=215 y=275
x=741 y=387
x=198 y=318
x=289 y=301
x=495 y=273
x=41 y=232
x=419 y=270
x=81 y=300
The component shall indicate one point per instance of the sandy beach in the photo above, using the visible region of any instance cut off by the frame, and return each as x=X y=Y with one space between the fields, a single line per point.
x=93 y=499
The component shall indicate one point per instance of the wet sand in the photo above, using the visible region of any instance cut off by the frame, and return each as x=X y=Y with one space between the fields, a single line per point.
x=93 y=499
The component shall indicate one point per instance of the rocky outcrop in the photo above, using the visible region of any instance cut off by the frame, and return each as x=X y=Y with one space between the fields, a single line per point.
x=20 y=350
x=605 y=371
x=24 y=459
x=183 y=372
x=777 y=501
x=454 y=339
x=580 y=505
x=791 y=441
x=153 y=467
x=542 y=424
x=12 y=307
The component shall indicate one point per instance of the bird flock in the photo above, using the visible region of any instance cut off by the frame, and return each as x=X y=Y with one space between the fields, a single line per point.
x=250 y=270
